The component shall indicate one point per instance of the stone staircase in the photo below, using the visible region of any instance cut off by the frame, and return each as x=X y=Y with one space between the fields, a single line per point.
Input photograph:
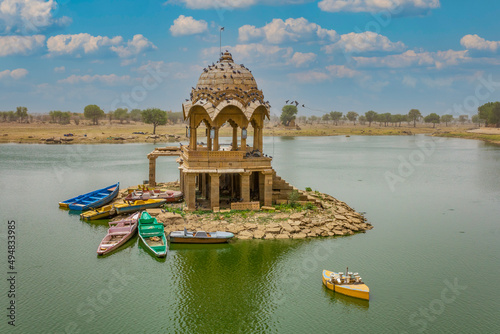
x=282 y=191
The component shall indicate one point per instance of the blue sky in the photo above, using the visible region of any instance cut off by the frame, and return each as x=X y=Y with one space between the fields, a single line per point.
x=438 y=56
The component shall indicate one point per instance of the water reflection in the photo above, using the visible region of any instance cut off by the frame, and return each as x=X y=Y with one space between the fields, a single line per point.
x=222 y=283
x=345 y=301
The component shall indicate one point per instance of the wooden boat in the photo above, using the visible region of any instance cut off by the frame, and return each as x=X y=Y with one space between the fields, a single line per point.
x=102 y=212
x=138 y=205
x=349 y=284
x=200 y=237
x=93 y=199
x=168 y=195
x=118 y=233
x=152 y=234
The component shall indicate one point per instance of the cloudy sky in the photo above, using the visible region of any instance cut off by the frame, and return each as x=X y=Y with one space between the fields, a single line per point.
x=385 y=55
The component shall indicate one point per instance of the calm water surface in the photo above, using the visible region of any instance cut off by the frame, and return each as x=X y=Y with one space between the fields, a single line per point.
x=435 y=205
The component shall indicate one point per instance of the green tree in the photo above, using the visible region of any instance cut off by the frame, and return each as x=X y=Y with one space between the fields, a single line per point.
x=476 y=120
x=65 y=117
x=386 y=118
x=288 y=113
x=325 y=118
x=352 y=116
x=93 y=113
x=463 y=118
x=135 y=115
x=414 y=115
x=313 y=119
x=21 y=113
x=335 y=116
x=121 y=114
x=432 y=118
x=446 y=119
x=154 y=116
x=362 y=119
x=490 y=113
x=370 y=116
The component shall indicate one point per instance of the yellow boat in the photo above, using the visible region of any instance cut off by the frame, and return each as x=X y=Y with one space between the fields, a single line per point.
x=138 y=205
x=102 y=212
x=349 y=284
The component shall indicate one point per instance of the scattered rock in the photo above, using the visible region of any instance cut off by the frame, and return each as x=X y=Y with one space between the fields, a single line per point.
x=282 y=236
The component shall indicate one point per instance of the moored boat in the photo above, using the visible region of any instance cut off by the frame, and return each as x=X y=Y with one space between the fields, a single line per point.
x=152 y=234
x=93 y=199
x=138 y=205
x=349 y=284
x=118 y=233
x=100 y=213
x=169 y=195
x=200 y=237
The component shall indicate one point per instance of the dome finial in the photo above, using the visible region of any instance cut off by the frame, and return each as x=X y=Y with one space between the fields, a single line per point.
x=226 y=56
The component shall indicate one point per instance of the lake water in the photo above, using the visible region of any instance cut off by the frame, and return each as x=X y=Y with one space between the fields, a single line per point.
x=432 y=262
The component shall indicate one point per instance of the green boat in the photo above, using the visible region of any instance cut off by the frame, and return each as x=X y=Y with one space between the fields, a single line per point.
x=152 y=234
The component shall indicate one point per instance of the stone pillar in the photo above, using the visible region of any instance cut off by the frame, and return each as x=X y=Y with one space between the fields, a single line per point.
x=259 y=139
x=190 y=190
x=243 y=143
x=152 y=170
x=192 y=139
x=268 y=188
x=216 y=140
x=245 y=186
x=255 y=137
x=235 y=139
x=209 y=140
x=214 y=190
x=181 y=179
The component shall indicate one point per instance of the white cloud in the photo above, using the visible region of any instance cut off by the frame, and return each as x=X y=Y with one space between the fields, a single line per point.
x=290 y=30
x=300 y=59
x=328 y=73
x=60 y=69
x=69 y=44
x=138 y=44
x=16 y=74
x=85 y=44
x=253 y=53
x=341 y=71
x=187 y=25
x=107 y=79
x=411 y=58
x=364 y=42
x=231 y=4
x=12 y=45
x=474 y=42
x=29 y=16
x=394 y=7
x=410 y=81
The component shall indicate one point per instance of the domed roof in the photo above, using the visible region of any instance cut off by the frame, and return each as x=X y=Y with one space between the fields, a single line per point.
x=226 y=83
x=225 y=73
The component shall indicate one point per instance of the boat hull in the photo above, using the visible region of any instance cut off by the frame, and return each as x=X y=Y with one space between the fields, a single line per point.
x=198 y=240
x=150 y=229
x=195 y=238
x=120 y=208
x=130 y=222
x=360 y=291
x=93 y=199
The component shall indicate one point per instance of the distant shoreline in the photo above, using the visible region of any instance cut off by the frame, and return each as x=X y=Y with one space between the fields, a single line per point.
x=115 y=133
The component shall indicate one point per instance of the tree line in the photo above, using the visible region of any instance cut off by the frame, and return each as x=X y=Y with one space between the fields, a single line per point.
x=489 y=114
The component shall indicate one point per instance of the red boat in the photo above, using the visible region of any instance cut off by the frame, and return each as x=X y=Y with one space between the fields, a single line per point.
x=169 y=195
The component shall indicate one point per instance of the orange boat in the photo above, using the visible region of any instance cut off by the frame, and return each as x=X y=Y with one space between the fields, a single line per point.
x=349 y=284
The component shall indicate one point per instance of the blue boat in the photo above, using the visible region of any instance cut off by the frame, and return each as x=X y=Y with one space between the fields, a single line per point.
x=93 y=199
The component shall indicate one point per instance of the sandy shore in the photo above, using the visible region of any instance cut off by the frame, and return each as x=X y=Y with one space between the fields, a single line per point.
x=141 y=133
